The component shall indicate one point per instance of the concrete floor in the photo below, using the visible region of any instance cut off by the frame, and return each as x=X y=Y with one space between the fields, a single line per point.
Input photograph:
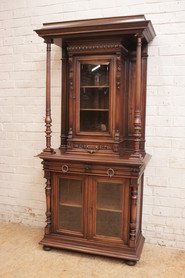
x=21 y=256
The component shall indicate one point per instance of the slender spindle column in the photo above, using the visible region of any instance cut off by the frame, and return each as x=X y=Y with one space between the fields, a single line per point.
x=133 y=213
x=48 y=119
x=137 y=115
x=48 y=202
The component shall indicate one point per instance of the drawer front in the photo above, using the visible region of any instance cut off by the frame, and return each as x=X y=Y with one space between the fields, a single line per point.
x=90 y=169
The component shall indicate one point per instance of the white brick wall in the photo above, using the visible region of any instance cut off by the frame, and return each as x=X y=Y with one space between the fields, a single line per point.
x=22 y=105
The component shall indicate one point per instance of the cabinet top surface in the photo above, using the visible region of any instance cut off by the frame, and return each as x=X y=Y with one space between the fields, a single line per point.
x=97 y=27
x=88 y=158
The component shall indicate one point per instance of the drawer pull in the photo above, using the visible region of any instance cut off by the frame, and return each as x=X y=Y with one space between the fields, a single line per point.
x=65 y=168
x=110 y=172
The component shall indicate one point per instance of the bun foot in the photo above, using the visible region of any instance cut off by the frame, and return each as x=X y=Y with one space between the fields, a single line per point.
x=130 y=263
x=46 y=248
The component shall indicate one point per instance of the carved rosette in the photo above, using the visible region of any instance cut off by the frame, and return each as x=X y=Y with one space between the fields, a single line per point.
x=47 y=176
x=117 y=140
x=133 y=213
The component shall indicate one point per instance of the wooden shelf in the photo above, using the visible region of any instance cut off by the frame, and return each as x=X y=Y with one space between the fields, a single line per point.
x=71 y=205
x=93 y=109
x=109 y=210
x=94 y=86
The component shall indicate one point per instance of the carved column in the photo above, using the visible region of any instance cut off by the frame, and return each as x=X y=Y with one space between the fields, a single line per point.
x=48 y=202
x=133 y=213
x=72 y=99
x=64 y=100
x=48 y=119
x=137 y=114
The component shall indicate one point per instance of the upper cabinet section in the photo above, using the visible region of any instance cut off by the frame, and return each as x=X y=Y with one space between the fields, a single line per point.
x=99 y=27
x=104 y=70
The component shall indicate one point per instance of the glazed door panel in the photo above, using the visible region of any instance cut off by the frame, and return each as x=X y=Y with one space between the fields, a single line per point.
x=69 y=205
x=95 y=85
x=111 y=209
x=91 y=207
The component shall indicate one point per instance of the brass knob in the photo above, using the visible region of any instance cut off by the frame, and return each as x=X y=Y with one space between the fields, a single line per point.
x=65 y=168
x=110 y=172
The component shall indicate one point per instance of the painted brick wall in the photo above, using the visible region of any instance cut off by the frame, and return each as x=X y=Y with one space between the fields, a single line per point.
x=22 y=105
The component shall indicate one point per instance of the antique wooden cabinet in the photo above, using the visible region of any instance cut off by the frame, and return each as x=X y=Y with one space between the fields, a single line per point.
x=94 y=187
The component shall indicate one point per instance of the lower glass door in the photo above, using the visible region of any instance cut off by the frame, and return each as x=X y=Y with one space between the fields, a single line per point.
x=70 y=204
x=109 y=208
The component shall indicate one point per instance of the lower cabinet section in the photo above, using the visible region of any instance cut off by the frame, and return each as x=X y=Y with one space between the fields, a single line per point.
x=95 y=215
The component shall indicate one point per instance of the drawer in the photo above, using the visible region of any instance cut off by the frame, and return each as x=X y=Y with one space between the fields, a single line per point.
x=91 y=169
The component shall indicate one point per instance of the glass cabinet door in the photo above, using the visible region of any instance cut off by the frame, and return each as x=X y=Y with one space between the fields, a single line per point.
x=70 y=204
x=109 y=209
x=94 y=97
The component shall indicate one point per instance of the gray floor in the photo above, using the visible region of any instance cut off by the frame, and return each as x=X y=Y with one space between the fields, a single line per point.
x=21 y=256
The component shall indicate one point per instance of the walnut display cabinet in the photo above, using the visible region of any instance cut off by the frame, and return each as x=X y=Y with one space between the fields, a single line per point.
x=94 y=180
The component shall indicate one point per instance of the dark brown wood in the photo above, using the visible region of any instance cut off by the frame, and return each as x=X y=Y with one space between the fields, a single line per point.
x=48 y=119
x=133 y=212
x=137 y=113
x=130 y=263
x=94 y=187
x=48 y=202
x=104 y=26
x=64 y=100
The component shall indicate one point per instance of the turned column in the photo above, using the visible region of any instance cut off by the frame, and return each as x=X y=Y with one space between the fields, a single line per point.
x=47 y=176
x=48 y=119
x=137 y=113
x=133 y=213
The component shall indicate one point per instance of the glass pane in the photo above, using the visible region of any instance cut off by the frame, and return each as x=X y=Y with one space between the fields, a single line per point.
x=94 y=121
x=70 y=218
x=109 y=195
x=108 y=223
x=94 y=97
x=70 y=201
x=94 y=75
x=70 y=191
x=109 y=209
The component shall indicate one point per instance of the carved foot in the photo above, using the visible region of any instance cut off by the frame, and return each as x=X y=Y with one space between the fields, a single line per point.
x=130 y=263
x=46 y=248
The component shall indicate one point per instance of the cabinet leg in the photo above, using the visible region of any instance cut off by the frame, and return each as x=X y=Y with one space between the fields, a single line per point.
x=46 y=248
x=130 y=263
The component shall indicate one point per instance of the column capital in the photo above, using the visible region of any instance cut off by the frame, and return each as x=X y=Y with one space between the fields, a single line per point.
x=139 y=35
x=48 y=40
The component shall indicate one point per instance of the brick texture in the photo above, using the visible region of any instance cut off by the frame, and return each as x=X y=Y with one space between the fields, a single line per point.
x=22 y=109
